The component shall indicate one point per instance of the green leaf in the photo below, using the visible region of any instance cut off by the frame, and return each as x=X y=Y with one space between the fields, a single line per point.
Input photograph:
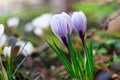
x=63 y=58
x=73 y=59
x=80 y=65
x=89 y=61
x=92 y=60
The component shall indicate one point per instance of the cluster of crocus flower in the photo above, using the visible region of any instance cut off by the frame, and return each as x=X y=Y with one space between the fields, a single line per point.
x=38 y=24
x=78 y=66
x=7 y=50
x=25 y=48
x=62 y=24
x=13 y=48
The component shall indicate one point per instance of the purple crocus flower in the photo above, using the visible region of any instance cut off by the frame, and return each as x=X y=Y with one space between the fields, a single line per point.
x=80 y=23
x=61 y=25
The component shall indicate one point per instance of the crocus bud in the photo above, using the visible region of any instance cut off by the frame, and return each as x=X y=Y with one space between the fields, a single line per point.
x=1 y=30
x=7 y=51
x=80 y=23
x=61 y=25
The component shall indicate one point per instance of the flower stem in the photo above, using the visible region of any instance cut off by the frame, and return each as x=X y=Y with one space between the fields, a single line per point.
x=82 y=35
x=64 y=39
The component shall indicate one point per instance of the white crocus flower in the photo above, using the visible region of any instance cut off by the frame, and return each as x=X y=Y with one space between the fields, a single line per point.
x=13 y=22
x=45 y=20
x=1 y=30
x=42 y=21
x=28 y=27
x=26 y=49
x=7 y=51
x=3 y=40
x=38 y=31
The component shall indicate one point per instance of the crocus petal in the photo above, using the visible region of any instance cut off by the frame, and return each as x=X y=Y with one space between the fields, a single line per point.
x=68 y=21
x=7 y=51
x=1 y=30
x=79 y=21
x=59 y=26
x=26 y=49
x=3 y=40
